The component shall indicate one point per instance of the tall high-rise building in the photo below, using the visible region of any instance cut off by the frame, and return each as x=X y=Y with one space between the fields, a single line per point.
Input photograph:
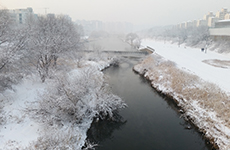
x=210 y=14
x=221 y=14
x=227 y=16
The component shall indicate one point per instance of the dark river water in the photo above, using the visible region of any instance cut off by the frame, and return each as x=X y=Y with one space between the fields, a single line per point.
x=150 y=122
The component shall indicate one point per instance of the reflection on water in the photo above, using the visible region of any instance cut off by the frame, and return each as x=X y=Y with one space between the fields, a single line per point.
x=103 y=129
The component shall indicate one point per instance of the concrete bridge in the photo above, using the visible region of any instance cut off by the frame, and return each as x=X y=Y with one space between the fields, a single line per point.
x=119 y=53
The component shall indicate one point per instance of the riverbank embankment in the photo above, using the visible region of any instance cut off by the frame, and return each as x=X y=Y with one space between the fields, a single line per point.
x=203 y=103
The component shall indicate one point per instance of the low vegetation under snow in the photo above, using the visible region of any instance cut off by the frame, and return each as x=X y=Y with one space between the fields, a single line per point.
x=56 y=114
x=203 y=103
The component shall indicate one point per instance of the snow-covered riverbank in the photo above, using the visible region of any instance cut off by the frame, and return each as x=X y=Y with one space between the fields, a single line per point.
x=192 y=60
x=189 y=81
x=25 y=124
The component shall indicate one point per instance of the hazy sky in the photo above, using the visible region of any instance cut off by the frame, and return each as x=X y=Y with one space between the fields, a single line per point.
x=151 y=12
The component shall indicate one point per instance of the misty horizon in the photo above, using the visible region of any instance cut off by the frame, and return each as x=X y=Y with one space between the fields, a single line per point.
x=140 y=13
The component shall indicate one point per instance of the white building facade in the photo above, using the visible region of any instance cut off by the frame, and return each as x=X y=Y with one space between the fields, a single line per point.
x=20 y=15
x=221 y=30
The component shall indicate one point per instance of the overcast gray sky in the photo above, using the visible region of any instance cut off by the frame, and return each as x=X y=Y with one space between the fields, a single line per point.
x=151 y=12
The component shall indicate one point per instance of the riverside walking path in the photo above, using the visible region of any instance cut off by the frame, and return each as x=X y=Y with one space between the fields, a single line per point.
x=211 y=66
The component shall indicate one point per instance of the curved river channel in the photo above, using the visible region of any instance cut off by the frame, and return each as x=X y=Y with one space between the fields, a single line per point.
x=150 y=122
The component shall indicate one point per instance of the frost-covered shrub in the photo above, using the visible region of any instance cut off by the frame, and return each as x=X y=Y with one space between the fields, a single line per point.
x=58 y=140
x=7 y=80
x=82 y=94
x=221 y=46
x=133 y=39
x=69 y=106
x=2 y=116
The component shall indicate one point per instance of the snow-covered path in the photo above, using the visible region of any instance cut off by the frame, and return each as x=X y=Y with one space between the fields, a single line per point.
x=191 y=59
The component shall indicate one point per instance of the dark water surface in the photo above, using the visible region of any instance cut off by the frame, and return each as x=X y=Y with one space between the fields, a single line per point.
x=149 y=123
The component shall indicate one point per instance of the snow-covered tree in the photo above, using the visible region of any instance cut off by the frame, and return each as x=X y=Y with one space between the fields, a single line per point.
x=198 y=35
x=77 y=96
x=7 y=47
x=136 y=43
x=12 y=42
x=191 y=36
x=133 y=39
x=5 y=24
x=182 y=35
x=50 y=37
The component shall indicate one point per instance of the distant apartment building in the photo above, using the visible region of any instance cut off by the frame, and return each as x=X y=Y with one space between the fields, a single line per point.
x=189 y=24
x=219 y=24
x=207 y=16
x=227 y=16
x=211 y=21
x=182 y=25
x=201 y=23
x=111 y=27
x=208 y=20
x=221 y=14
x=195 y=23
x=221 y=28
x=186 y=24
x=20 y=15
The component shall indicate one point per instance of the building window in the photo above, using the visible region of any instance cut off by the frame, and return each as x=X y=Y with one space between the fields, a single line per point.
x=20 y=18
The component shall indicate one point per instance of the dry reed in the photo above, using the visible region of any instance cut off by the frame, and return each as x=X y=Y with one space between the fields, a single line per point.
x=189 y=88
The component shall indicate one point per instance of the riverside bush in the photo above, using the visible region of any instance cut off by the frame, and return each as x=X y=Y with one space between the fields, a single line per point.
x=77 y=96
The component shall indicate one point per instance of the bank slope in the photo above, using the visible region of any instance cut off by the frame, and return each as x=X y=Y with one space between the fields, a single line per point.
x=202 y=102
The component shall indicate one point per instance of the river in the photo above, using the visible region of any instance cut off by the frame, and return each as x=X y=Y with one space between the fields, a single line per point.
x=150 y=122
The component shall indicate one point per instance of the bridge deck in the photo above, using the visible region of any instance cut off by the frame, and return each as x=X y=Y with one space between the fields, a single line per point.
x=117 y=52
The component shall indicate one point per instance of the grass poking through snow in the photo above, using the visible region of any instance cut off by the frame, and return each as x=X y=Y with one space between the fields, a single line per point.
x=204 y=103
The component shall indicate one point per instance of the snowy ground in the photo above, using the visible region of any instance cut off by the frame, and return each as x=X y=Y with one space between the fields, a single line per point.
x=193 y=60
x=190 y=82
x=19 y=130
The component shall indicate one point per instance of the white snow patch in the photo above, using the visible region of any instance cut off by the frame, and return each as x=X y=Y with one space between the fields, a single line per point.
x=19 y=130
x=19 y=127
x=190 y=59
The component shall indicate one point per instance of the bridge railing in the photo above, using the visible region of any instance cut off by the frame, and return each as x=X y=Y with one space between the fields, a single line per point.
x=116 y=52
